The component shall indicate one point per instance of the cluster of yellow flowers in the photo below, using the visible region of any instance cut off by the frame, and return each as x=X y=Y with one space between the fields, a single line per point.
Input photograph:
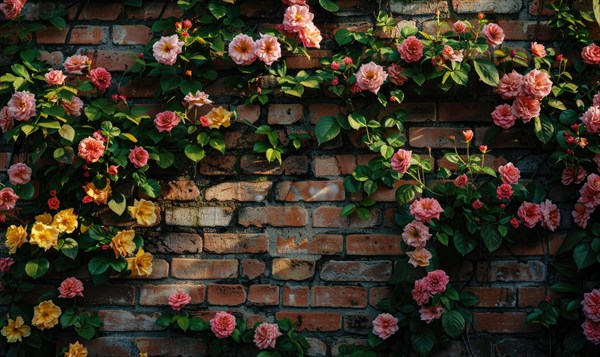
x=44 y=232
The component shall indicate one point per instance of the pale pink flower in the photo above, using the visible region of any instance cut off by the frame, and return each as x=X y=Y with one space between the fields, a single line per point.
x=503 y=116
x=223 y=324
x=90 y=149
x=310 y=36
x=166 y=49
x=100 y=78
x=504 y=191
x=591 y=331
x=12 y=8
x=420 y=292
x=401 y=160
x=591 y=119
x=6 y=263
x=73 y=107
x=99 y=136
x=461 y=181
x=425 y=209
x=138 y=156
x=411 y=49
x=21 y=105
x=431 y=313
x=493 y=33
x=394 y=74
x=296 y=18
x=19 y=174
x=370 y=77
x=265 y=335
x=530 y=213
x=77 y=64
x=573 y=174
x=268 y=49
x=538 y=49
x=459 y=27
x=591 y=305
x=55 y=77
x=596 y=100
x=510 y=85
x=385 y=325
x=179 y=299
x=581 y=215
x=113 y=169
x=6 y=121
x=8 y=199
x=70 y=288
x=550 y=215
x=166 y=121
x=537 y=84
x=242 y=50
x=436 y=281
x=196 y=100
x=526 y=108
x=416 y=234
x=509 y=173
x=591 y=54
x=419 y=257
x=452 y=55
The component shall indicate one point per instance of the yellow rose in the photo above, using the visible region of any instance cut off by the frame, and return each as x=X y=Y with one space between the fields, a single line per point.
x=44 y=236
x=98 y=195
x=15 y=237
x=65 y=221
x=143 y=354
x=219 y=117
x=123 y=244
x=141 y=264
x=15 y=330
x=143 y=211
x=76 y=350
x=45 y=315
x=45 y=218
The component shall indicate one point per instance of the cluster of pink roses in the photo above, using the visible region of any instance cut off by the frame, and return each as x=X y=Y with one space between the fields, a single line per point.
x=416 y=233
x=12 y=8
x=545 y=213
x=298 y=19
x=591 y=309
x=18 y=174
x=243 y=50
x=434 y=283
x=589 y=199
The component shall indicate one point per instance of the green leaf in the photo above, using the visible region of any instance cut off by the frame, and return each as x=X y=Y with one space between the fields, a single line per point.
x=169 y=82
x=26 y=191
x=404 y=194
x=197 y=324
x=327 y=129
x=343 y=37
x=487 y=71
x=118 y=204
x=36 y=268
x=423 y=341
x=86 y=331
x=348 y=209
x=67 y=132
x=329 y=5
x=183 y=322
x=98 y=265
x=357 y=121
x=491 y=237
x=165 y=159
x=151 y=187
x=194 y=152
x=571 y=240
x=163 y=321
x=584 y=256
x=68 y=317
x=463 y=244
x=453 y=323
x=544 y=129
x=218 y=11
x=568 y=117
x=70 y=248
x=468 y=299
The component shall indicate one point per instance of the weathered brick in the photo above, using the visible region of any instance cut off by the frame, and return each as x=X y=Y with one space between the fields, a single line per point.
x=295 y=296
x=334 y=165
x=178 y=243
x=81 y=35
x=318 y=110
x=131 y=34
x=521 y=30
x=285 y=113
x=317 y=348
x=511 y=271
x=530 y=296
x=239 y=191
x=285 y=216
x=153 y=9
x=218 y=165
x=330 y=217
x=158 y=295
x=502 y=322
x=117 y=61
x=180 y=190
x=263 y=294
x=248 y=112
x=310 y=191
x=108 y=346
x=374 y=270
x=376 y=294
x=335 y=347
x=232 y=243
x=358 y=323
x=489 y=6
x=110 y=295
x=339 y=296
x=293 y=269
x=463 y=112
x=97 y=11
x=520 y=346
x=170 y=346
x=318 y=244
x=226 y=294
x=373 y=244
x=300 y=61
x=494 y=297
x=188 y=268
x=258 y=165
x=123 y=320
x=372 y=221
x=420 y=7
x=253 y=268
x=199 y=216
x=313 y=321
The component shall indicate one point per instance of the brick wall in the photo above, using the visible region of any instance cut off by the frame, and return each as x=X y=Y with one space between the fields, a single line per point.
x=264 y=240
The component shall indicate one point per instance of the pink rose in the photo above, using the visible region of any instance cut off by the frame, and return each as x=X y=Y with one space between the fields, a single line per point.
x=138 y=156
x=538 y=49
x=242 y=50
x=178 y=300
x=99 y=136
x=21 y=105
x=77 y=64
x=6 y=263
x=419 y=257
x=265 y=335
x=100 y=78
x=55 y=77
x=385 y=325
x=12 y=8
x=503 y=116
x=459 y=27
x=591 y=120
x=431 y=313
x=536 y=84
x=166 y=49
x=530 y=213
x=591 y=54
x=394 y=74
x=425 y=209
x=6 y=121
x=113 y=169
x=591 y=331
x=494 y=34
x=8 y=199
x=223 y=324
x=504 y=191
x=416 y=234
x=166 y=121
x=461 y=181
x=70 y=288
x=581 y=215
x=19 y=174
x=268 y=49
x=510 y=85
x=296 y=18
x=73 y=107
x=91 y=149
x=451 y=54
x=550 y=215
x=591 y=305
x=573 y=174
x=370 y=77
x=477 y=204
x=401 y=160
x=526 y=108
x=420 y=292
x=596 y=100
x=436 y=281
x=411 y=49
x=509 y=173
x=197 y=100
x=205 y=121
x=310 y=36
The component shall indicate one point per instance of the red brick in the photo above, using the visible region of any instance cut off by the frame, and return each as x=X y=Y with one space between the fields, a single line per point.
x=334 y=165
x=252 y=320
x=81 y=35
x=188 y=268
x=373 y=244
x=108 y=346
x=494 y=297
x=516 y=138
x=313 y=321
x=158 y=295
x=373 y=221
x=511 y=271
x=248 y=112
x=286 y=216
x=139 y=88
x=252 y=268
x=318 y=244
x=311 y=191
x=330 y=217
x=5 y=160
x=463 y=112
x=339 y=296
x=300 y=61
x=295 y=296
x=226 y=294
x=122 y=320
x=170 y=346
x=131 y=34
x=293 y=269
x=117 y=61
x=262 y=294
x=316 y=347
x=178 y=243
x=236 y=243
x=258 y=165
x=377 y=294
x=239 y=191
x=110 y=294
x=318 y=110
x=285 y=113
x=218 y=165
x=502 y=322
x=152 y=10
x=530 y=296
x=373 y=270
x=180 y=190
x=97 y=11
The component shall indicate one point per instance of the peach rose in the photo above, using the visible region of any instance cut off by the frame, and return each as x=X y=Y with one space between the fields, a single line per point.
x=138 y=156
x=431 y=313
x=416 y=234
x=223 y=324
x=494 y=35
x=19 y=174
x=77 y=64
x=6 y=121
x=426 y=209
x=526 y=108
x=73 y=107
x=436 y=281
x=573 y=174
x=510 y=85
x=596 y=100
x=591 y=331
x=536 y=84
x=459 y=27
x=509 y=173
x=550 y=215
x=268 y=49
x=55 y=77
x=90 y=149
x=504 y=191
x=411 y=49
x=419 y=257
x=591 y=54
x=296 y=18
x=370 y=77
x=394 y=74
x=310 y=36
x=241 y=50
x=197 y=100
x=452 y=55
x=21 y=105
x=503 y=116
x=166 y=49
x=266 y=335
x=538 y=49
x=385 y=325
x=401 y=160
x=591 y=120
